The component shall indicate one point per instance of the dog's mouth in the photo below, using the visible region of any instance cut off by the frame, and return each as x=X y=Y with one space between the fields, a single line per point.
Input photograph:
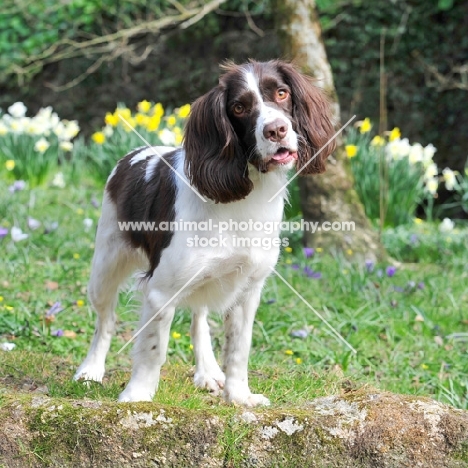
x=283 y=156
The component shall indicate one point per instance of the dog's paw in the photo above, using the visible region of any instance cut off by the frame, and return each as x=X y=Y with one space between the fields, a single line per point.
x=132 y=395
x=87 y=372
x=247 y=399
x=211 y=381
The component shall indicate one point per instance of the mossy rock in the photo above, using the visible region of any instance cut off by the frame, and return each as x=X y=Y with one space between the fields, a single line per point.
x=363 y=428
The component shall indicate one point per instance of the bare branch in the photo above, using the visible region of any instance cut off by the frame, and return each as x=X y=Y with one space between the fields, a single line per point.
x=117 y=44
x=456 y=79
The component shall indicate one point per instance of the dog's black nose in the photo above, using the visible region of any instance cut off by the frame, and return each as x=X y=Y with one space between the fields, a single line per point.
x=276 y=130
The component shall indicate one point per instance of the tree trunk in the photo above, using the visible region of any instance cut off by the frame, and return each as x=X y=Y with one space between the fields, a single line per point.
x=329 y=196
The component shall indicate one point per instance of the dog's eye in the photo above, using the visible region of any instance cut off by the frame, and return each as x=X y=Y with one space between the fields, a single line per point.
x=282 y=94
x=238 y=109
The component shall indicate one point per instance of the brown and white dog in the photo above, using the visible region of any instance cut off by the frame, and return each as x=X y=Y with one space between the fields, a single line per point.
x=241 y=139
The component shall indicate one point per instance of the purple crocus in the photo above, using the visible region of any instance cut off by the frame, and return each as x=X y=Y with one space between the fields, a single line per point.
x=311 y=273
x=3 y=232
x=17 y=186
x=391 y=270
x=295 y=266
x=54 y=310
x=421 y=285
x=302 y=333
x=308 y=252
x=370 y=266
x=58 y=332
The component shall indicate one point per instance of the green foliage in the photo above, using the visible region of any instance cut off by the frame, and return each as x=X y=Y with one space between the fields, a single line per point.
x=426 y=243
x=397 y=323
x=31 y=29
x=32 y=148
x=394 y=176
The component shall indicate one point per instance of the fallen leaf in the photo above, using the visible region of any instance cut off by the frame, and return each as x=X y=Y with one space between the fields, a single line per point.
x=69 y=334
x=51 y=285
x=439 y=340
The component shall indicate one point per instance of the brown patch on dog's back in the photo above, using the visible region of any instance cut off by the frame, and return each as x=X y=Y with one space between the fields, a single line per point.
x=137 y=201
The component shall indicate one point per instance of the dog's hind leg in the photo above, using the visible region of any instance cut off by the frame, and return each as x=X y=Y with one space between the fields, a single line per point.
x=112 y=264
x=207 y=371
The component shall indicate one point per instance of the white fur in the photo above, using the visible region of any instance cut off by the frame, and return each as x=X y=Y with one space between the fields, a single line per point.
x=231 y=280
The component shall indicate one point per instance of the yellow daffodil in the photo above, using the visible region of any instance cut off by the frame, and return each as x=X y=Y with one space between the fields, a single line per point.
x=351 y=150
x=288 y=249
x=365 y=126
x=98 y=138
x=289 y=352
x=144 y=106
x=176 y=335
x=80 y=303
x=112 y=119
x=377 y=141
x=129 y=124
x=191 y=346
x=298 y=360
x=184 y=111
x=123 y=113
x=153 y=123
x=171 y=120
x=418 y=221
x=319 y=249
x=41 y=145
x=395 y=134
x=349 y=252
x=158 y=110
x=142 y=120
x=10 y=165
x=424 y=366
x=76 y=256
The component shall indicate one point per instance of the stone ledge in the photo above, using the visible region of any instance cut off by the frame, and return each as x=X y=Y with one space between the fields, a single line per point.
x=366 y=428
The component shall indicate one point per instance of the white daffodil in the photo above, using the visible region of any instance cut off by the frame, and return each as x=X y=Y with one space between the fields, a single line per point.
x=446 y=225
x=58 y=180
x=432 y=185
x=431 y=171
x=450 y=178
x=66 y=145
x=41 y=145
x=416 y=153
x=17 y=110
x=167 y=137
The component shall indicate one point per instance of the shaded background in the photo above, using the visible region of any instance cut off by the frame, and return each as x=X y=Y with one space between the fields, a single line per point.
x=420 y=36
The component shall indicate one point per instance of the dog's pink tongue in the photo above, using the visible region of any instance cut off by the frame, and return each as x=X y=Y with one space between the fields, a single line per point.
x=283 y=155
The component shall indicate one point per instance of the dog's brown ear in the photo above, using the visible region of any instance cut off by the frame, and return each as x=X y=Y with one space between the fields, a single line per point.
x=312 y=120
x=214 y=161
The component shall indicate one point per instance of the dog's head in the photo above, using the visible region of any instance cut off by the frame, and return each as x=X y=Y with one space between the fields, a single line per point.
x=266 y=114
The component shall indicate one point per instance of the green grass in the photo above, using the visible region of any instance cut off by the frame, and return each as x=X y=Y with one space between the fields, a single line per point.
x=409 y=339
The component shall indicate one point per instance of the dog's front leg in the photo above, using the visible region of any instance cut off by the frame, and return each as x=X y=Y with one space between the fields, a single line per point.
x=238 y=328
x=150 y=350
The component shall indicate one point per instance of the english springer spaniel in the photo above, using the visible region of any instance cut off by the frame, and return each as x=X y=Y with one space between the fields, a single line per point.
x=241 y=139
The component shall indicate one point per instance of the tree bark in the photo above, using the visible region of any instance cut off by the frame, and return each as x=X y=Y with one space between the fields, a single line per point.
x=330 y=196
